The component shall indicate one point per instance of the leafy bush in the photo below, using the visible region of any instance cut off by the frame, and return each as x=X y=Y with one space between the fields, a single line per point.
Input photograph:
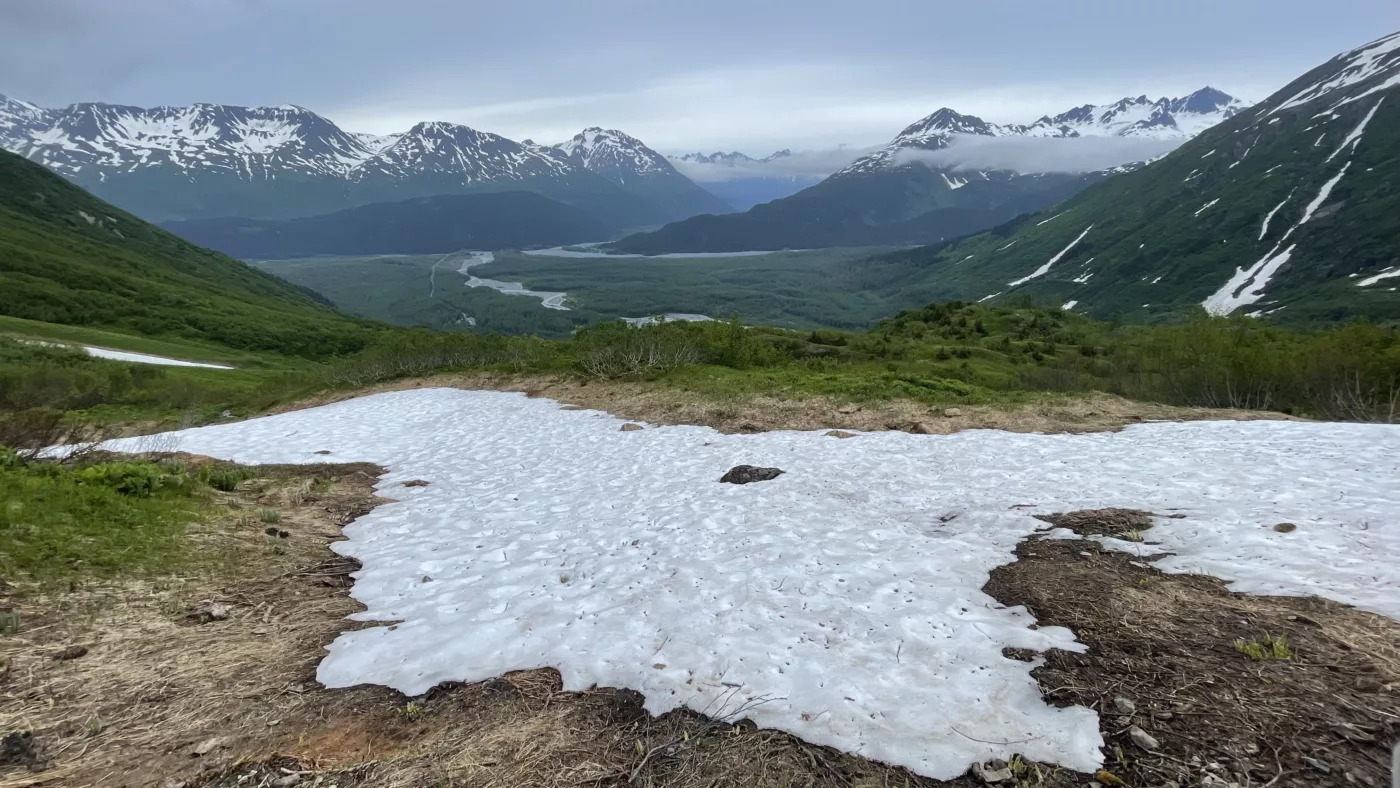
x=140 y=479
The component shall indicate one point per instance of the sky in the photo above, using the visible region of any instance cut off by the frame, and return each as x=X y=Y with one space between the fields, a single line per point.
x=681 y=75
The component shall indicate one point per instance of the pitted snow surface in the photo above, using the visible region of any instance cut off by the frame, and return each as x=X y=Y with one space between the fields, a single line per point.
x=842 y=597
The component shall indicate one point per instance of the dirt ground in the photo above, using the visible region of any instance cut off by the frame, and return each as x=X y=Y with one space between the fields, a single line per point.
x=208 y=679
x=656 y=404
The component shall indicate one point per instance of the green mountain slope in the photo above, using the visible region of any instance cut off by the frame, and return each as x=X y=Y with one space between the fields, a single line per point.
x=428 y=224
x=1290 y=209
x=68 y=257
x=908 y=204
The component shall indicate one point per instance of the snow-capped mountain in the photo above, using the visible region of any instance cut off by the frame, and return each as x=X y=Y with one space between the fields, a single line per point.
x=1163 y=119
x=211 y=160
x=627 y=162
x=1287 y=210
x=731 y=159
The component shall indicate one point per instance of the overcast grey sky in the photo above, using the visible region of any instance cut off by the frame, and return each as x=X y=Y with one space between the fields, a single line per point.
x=679 y=74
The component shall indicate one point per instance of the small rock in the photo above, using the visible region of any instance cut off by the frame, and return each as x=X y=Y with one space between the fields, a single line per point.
x=749 y=426
x=207 y=746
x=218 y=611
x=991 y=773
x=1318 y=765
x=1142 y=738
x=631 y=428
x=952 y=413
x=1124 y=706
x=1211 y=781
x=71 y=652
x=17 y=749
x=1250 y=748
x=323 y=451
x=426 y=579
x=746 y=474
x=259 y=630
x=1285 y=528
x=276 y=533
x=918 y=428
x=840 y=434
x=416 y=483
x=848 y=409
x=224 y=414
x=286 y=782
x=572 y=407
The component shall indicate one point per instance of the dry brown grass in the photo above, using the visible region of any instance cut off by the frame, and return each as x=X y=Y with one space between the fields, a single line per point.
x=660 y=404
x=157 y=684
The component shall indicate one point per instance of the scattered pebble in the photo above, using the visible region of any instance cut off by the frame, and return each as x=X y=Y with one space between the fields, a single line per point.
x=631 y=428
x=1285 y=528
x=1142 y=738
x=1318 y=765
x=416 y=483
x=207 y=746
x=952 y=413
x=991 y=772
x=218 y=611
x=71 y=652
x=1124 y=706
x=840 y=434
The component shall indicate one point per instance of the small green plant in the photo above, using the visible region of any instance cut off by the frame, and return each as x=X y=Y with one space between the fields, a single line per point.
x=224 y=478
x=1133 y=535
x=270 y=516
x=9 y=622
x=1265 y=647
x=410 y=711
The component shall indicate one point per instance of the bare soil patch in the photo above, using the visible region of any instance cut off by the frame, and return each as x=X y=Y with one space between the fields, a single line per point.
x=1165 y=656
x=660 y=404
x=169 y=695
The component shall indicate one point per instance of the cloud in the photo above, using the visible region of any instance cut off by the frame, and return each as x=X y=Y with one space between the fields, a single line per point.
x=1039 y=154
x=804 y=165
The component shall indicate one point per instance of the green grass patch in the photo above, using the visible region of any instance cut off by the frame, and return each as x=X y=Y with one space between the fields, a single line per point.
x=59 y=522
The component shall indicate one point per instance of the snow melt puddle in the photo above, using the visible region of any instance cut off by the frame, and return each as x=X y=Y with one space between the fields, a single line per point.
x=547 y=299
x=840 y=601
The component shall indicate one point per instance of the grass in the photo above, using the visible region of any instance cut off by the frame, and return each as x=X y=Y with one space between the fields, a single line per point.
x=188 y=350
x=62 y=522
x=1265 y=647
x=801 y=290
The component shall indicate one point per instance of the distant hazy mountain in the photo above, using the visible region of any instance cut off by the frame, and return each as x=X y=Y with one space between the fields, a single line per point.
x=210 y=160
x=423 y=225
x=887 y=197
x=625 y=161
x=1287 y=209
x=741 y=180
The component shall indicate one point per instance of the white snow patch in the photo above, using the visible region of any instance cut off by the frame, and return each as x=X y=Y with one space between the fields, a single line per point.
x=954 y=182
x=989 y=297
x=1386 y=274
x=1205 y=207
x=838 y=598
x=1208 y=155
x=1008 y=246
x=1041 y=271
x=1247 y=285
x=1322 y=196
x=1354 y=138
x=1069 y=305
x=1359 y=65
x=142 y=358
x=1264 y=229
x=1047 y=221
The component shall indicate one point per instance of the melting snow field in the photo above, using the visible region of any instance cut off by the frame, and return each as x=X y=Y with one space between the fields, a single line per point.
x=143 y=358
x=841 y=601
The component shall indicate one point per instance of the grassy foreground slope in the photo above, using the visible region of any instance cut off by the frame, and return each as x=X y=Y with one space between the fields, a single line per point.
x=68 y=257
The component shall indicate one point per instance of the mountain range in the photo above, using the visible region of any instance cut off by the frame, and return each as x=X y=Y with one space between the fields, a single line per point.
x=1287 y=209
x=887 y=197
x=743 y=181
x=210 y=160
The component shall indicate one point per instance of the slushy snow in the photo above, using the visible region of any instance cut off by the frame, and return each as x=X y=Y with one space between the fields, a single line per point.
x=840 y=602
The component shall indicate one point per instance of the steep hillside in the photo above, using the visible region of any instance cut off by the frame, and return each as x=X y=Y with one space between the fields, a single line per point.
x=891 y=196
x=423 y=225
x=627 y=162
x=68 y=257
x=1290 y=209
x=211 y=160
